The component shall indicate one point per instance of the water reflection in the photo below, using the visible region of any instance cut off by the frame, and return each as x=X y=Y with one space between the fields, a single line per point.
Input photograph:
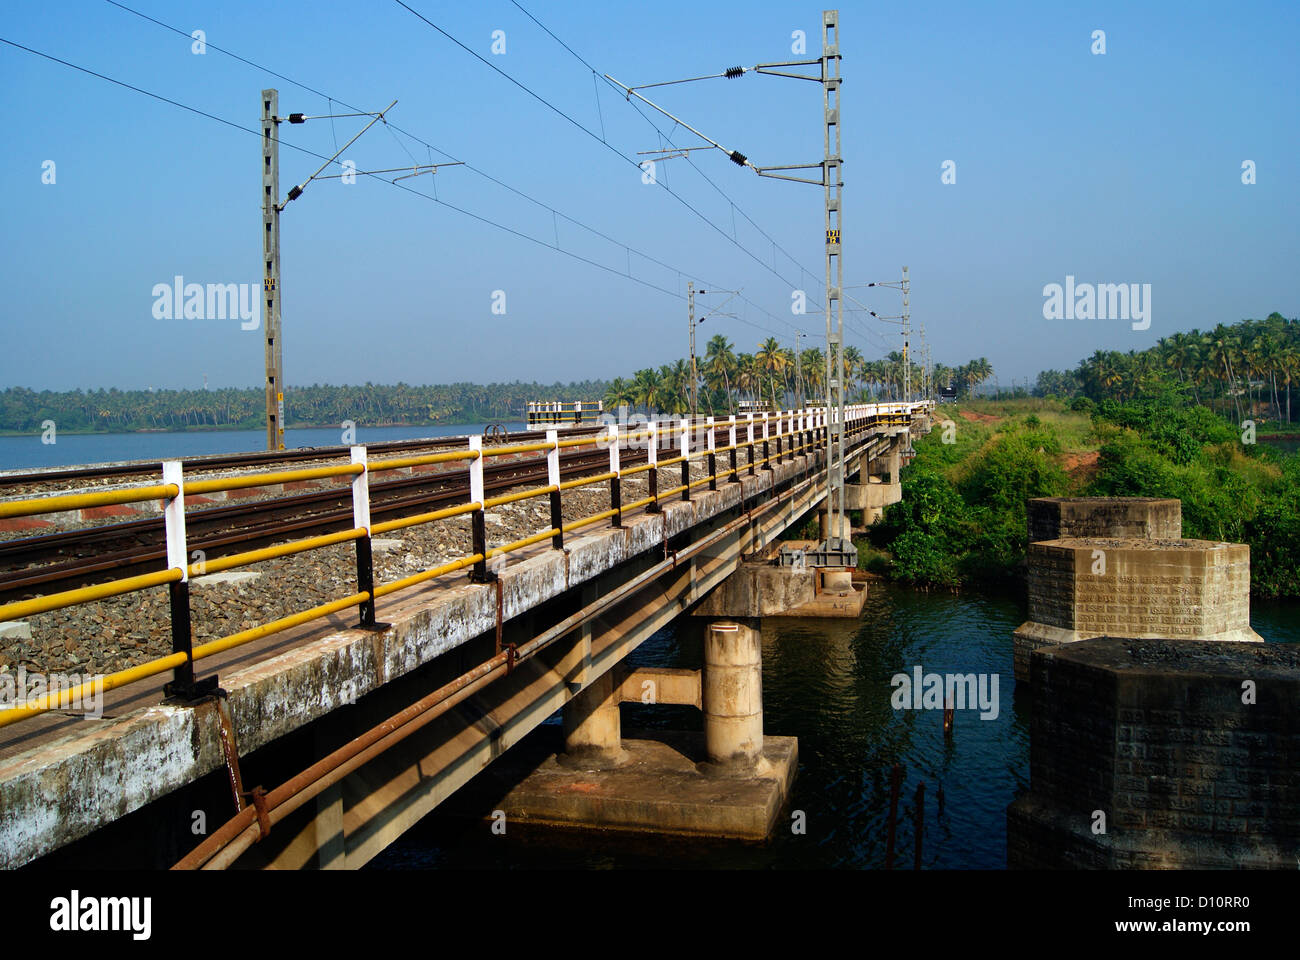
x=827 y=682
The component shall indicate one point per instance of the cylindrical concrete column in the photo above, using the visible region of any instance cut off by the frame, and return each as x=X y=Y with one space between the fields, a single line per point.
x=592 y=728
x=824 y=526
x=733 y=694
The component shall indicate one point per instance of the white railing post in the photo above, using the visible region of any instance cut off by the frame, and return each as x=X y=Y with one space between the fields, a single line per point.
x=361 y=521
x=182 y=685
x=174 y=521
x=615 y=482
x=478 y=522
x=553 y=481
x=685 y=430
x=713 y=454
x=734 y=476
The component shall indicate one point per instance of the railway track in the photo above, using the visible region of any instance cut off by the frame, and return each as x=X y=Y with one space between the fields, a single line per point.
x=54 y=562
x=241 y=461
x=62 y=561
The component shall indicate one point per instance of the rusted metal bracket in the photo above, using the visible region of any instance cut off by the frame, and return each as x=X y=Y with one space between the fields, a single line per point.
x=511 y=658
x=263 y=814
x=230 y=749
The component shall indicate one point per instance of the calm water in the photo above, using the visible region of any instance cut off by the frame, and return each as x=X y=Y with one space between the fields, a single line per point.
x=827 y=682
x=25 y=453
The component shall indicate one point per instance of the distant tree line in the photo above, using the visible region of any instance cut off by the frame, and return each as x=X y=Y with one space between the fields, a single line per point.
x=1245 y=369
x=116 y=411
x=771 y=375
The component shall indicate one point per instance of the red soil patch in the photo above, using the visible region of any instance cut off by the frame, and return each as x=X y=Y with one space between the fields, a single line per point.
x=1078 y=464
x=978 y=417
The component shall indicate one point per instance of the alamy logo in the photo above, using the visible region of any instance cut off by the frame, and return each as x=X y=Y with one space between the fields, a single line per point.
x=54 y=691
x=179 y=300
x=73 y=913
x=1102 y=301
x=934 y=691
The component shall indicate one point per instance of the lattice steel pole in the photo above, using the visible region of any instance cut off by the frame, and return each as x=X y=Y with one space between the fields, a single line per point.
x=271 y=268
x=907 y=337
x=833 y=180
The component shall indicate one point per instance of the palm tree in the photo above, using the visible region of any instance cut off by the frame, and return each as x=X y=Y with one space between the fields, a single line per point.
x=646 y=388
x=719 y=365
x=771 y=361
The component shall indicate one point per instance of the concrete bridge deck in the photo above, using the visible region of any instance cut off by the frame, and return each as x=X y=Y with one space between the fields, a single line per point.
x=63 y=778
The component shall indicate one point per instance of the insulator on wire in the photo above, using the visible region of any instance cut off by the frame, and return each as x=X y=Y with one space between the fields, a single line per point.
x=738 y=158
x=295 y=193
x=297 y=118
x=734 y=72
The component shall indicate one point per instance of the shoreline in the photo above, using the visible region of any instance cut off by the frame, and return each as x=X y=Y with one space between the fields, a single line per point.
x=237 y=429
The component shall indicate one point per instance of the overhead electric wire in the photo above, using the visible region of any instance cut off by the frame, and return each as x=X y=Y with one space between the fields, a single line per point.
x=418 y=193
x=394 y=129
x=540 y=99
x=596 y=73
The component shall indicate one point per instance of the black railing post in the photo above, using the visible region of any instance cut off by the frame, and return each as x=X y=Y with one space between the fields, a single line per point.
x=183 y=685
x=479 y=572
x=553 y=481
x=652 y=451
x=686 y=460
x=615 y=485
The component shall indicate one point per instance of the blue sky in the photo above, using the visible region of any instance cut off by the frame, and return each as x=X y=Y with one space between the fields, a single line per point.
x=1117 y=168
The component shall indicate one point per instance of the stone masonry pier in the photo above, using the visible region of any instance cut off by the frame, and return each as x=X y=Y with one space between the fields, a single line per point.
x=1161 y=754
x=1142 y=518
x=1143 y=586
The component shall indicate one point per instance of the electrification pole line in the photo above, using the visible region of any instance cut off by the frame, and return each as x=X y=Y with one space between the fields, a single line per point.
x=832 y=182
x=906 y=319
x=690 y=315
x=693 y=323
x=798 y=368
x=271 y=275
x=271 y=210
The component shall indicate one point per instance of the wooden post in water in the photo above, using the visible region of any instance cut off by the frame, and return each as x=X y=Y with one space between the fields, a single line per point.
x=920 y=824
x=895 y=781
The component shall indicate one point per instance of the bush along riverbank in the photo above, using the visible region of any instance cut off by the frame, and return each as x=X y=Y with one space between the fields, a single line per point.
x=962 y=517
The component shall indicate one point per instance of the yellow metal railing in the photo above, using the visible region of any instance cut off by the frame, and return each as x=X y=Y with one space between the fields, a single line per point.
x=805 y=433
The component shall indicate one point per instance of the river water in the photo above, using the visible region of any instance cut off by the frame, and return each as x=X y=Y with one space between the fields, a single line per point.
x=827 y=682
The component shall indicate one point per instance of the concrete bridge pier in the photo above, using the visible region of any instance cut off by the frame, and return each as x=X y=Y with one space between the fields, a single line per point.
x=593 y=734
x=728 y=781
x=732 y=698
x=879 y=484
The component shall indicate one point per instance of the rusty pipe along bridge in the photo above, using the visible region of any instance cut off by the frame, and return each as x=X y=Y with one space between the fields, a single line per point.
x=368 y=726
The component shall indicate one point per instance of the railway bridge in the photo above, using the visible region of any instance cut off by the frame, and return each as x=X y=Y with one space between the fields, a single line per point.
x=560 y=553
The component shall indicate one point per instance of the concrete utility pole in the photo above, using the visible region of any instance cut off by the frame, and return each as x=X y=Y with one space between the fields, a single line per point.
x=690 y=314
x=271 y=210
x=907 y=335
x=798 y=369
x=271 y=268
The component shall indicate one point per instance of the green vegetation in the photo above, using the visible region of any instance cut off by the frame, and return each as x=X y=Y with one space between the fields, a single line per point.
x=1246 y=370
x=770 y=375
x=120 y=411
x=962 y=519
